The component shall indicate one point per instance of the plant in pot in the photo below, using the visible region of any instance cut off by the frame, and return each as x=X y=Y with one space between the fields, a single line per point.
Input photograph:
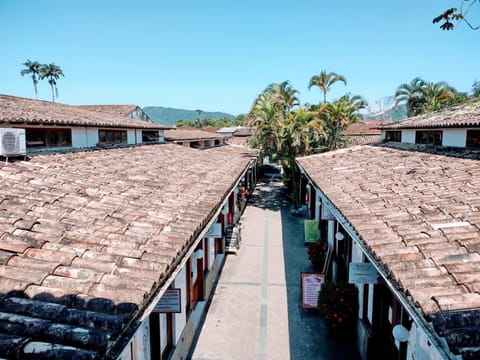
x=317 y=254
x=338 y=303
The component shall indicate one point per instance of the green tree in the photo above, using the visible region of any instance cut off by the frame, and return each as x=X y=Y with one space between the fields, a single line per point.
x=421 y=96
x=284 y=96
x=52 y=72
x=476 y=88
x=240 y=120
x=284 y=130
x=32 y=67
x=411 y=95
x=324 y=82
x=338 y=116
x=451 y=15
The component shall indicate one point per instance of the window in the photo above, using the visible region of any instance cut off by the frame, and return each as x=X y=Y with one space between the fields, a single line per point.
x=48 y=137
x=393 y=136
x=473 y=138
x=150 y=136
x=433 y=137
x=112 y=136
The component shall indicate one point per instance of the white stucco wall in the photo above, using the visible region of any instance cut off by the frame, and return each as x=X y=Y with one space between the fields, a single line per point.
x=131 y=136
x=84 y=137
x=454 y=137
x=419 y=348
x=408 y=136
x=211 y=252
x=179 y=320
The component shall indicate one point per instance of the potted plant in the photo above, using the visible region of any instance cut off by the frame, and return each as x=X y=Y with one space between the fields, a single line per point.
x=338 y=303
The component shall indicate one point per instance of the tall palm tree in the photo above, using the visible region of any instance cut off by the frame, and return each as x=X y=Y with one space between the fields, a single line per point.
x=53 y=73
x=33 y=68
x=324 y=81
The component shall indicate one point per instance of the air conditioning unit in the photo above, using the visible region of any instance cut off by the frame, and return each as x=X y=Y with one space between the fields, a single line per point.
x=12 y=142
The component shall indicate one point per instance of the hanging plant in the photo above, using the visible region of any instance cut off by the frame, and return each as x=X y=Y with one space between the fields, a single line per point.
x=338 y=303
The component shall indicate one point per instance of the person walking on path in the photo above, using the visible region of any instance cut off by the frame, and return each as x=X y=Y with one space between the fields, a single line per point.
x=255 y=311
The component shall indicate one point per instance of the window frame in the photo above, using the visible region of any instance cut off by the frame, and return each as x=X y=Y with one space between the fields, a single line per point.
x=429 y=137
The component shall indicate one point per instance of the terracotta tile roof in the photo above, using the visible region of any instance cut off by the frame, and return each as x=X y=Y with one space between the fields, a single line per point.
x=418 y=213
x=354 y=140
x=369 y=127
x=460 y=116
x=123 y=110
x=22 y=111
x=87 y=238
x=180 y=134
x=243 y=131
x=411 y=207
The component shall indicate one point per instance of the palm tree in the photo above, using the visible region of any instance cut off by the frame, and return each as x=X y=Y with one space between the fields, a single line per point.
x=33 y=68
x=412 y=95
x=283 y=95
x=337 y=116
x=325 y=81
x=422 y=97
x=53 y=73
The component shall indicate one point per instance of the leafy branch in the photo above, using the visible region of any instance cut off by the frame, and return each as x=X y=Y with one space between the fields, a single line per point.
x=449 y=16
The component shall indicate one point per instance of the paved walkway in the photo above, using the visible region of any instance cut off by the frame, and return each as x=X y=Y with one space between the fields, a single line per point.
x=255 y=312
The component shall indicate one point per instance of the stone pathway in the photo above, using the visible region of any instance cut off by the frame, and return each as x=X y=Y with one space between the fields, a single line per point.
x=255 y=312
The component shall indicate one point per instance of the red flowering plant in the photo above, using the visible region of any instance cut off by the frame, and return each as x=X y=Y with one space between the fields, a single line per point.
x=317 y=253
x=338 y=303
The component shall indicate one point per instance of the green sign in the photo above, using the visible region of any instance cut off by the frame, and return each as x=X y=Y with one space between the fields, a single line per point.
x=311 y=231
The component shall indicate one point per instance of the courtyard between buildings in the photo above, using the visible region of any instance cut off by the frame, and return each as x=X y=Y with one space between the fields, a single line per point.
x=255 y=311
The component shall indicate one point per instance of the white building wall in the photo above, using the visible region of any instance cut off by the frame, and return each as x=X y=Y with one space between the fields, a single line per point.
x=211 y=252
x=179 y=320
x=408 y=136
x=141 y=342
x=131 y=133
x=454 y=137
x=84 y=137
x=419 y=348
x=139 y=346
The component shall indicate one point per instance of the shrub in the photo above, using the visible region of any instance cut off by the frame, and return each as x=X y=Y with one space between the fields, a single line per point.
x=338 y=303
x=317 y=253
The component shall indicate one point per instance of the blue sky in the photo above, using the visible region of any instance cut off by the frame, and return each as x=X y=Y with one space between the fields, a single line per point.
x=218 y=55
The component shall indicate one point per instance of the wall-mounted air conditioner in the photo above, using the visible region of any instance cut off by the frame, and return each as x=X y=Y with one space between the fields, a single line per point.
x=12 y=142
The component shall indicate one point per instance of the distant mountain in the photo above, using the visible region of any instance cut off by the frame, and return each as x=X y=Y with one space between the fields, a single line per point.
x=170 y=116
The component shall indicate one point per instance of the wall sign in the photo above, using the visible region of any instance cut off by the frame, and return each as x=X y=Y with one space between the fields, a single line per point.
x=215 y=231
x=326 y=213
x=171 y=302
x=362 y=273
x=311 y=284
x=311 y=231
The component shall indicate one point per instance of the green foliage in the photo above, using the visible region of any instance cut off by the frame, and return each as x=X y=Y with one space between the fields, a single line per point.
x=451 y=15
x=170 y=116
x=41 y=71
x=32 y=67
x=338 y=303
x=52 y=72
x=207 y=122
x=284 y=130
x=421 y=96
x=317 y=253
x=476 y=88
